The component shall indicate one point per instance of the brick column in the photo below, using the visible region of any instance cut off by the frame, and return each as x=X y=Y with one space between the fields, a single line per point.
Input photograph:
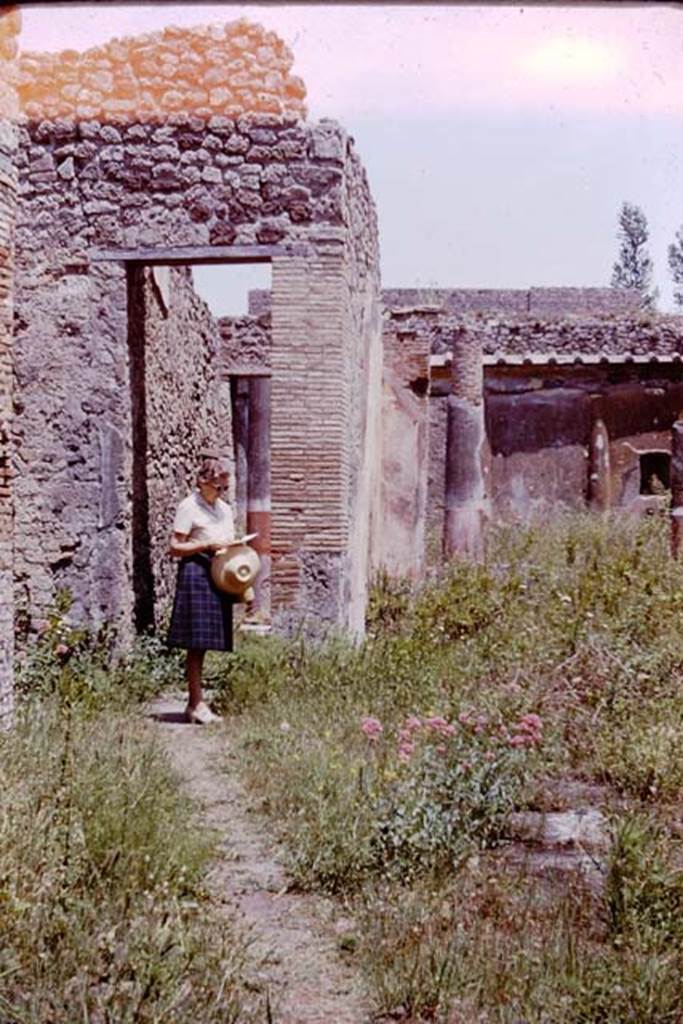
x=10 y=23
x=309 y=447
x=466 y=504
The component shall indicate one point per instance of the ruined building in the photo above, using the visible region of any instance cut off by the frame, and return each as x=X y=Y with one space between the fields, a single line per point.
x=361 y=423
x=508 y=403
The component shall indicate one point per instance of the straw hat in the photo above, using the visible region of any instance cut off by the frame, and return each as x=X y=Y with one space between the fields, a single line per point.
x=234 y=569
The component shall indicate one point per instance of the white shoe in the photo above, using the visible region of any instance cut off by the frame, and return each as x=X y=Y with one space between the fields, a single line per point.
x=201 y=715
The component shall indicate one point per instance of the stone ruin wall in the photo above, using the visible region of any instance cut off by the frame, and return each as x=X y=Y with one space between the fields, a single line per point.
x=177 y=389
x=539 y=417
x=322 y=451
x=537 y=302
x=216 y=69
x=363 y=348
x=641 y=334
x=90 y=191
x=540 y=420
x=245 y=343
x=10 y=24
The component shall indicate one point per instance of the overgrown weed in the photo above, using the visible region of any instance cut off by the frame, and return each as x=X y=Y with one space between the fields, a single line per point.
x=575 y=627
x=104 y=917
x=89 y=668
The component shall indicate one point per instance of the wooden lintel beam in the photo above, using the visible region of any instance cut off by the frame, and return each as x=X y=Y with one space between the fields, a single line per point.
x=200 y=254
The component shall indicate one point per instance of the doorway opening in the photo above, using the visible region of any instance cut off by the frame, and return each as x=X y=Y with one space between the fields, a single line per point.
x=187 y=323
x=655 y=472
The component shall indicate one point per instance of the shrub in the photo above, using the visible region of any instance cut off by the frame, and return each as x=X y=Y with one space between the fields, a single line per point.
x=89 y=667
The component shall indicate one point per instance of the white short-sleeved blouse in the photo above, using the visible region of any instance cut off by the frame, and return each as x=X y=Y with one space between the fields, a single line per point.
x=202 y=521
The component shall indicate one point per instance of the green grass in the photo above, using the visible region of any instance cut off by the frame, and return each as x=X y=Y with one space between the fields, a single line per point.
x=576 y=627
x=103 y=916
x=388 y=769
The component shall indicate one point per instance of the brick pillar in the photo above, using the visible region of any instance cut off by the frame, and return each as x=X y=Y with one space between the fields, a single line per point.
x=310 y=458
x=10 y=23
x=466 y=503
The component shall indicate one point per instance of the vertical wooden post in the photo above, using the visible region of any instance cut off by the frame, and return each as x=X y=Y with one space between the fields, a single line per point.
x=258 y=486
x=239 y=402
x=599 y=469
x=676 y=488
x=465 y=504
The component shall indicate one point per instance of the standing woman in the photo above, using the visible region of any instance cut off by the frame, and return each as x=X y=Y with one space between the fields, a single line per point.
x=202 y=614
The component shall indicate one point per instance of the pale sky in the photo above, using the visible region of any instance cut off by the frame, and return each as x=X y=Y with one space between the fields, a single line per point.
x=499 y=141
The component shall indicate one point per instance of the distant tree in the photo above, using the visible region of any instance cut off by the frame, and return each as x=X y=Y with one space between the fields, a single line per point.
x=633 y=269
x=676 y=266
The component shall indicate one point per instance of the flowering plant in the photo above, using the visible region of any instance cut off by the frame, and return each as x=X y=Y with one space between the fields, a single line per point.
x=441 y=785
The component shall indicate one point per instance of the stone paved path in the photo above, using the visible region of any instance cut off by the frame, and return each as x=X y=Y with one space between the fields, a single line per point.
x=295 y=957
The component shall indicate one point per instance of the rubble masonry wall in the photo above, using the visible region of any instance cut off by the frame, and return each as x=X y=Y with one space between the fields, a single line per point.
x=187 y=411
x=10 y=24
x=214 y=69
x=89 y=192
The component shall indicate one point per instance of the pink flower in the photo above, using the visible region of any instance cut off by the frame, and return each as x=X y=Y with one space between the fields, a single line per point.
x=530 y=723
x=438 y=724
x=413 y=723
x=61 y=649
x=372 y=728
x=464 y=717
x=529 y=731
x=406 y=751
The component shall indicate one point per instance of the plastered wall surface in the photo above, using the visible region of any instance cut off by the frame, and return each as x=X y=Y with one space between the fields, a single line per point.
x=405 y=457
x=363 y=371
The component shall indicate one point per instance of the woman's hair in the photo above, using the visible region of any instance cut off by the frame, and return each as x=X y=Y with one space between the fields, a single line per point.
x=211 y=466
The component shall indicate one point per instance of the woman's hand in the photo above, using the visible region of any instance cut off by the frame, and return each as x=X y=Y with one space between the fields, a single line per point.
x=217 y=547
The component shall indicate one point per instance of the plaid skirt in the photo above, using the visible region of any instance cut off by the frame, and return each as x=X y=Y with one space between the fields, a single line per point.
x=202 y=614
